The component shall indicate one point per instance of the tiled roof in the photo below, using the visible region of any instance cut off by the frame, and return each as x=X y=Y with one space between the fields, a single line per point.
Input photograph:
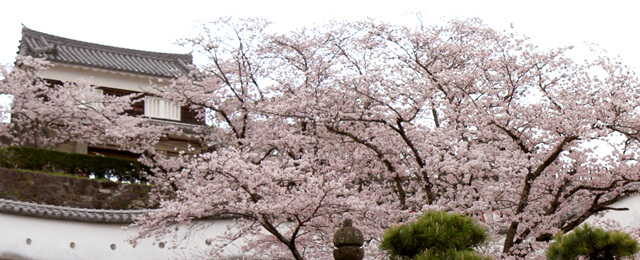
x=69 y=213
x=70 y=51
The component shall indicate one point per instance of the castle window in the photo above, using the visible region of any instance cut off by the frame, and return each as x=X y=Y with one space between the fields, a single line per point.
x=161 y=108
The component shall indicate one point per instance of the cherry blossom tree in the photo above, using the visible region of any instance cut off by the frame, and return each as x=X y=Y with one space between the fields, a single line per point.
x=45 y=114
x=378 y=123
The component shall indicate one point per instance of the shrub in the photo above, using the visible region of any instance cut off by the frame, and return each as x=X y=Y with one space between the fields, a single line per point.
x=592 y=243
x=71 y=163
x=435 y=235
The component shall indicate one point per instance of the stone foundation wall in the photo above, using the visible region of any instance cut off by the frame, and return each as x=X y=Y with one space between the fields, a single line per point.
x=72 y=192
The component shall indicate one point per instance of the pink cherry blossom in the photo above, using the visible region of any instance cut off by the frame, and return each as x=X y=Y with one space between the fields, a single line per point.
x=45 y=114
x=378 y=122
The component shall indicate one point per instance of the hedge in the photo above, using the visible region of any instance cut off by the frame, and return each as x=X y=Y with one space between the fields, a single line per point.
x=72 y=163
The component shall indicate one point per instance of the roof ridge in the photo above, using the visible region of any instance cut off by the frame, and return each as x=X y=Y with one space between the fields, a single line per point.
x=119 y=50
x=69 y=51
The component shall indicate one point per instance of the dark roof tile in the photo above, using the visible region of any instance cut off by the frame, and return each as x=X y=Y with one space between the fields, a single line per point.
x=58 y=49
x=70 y=213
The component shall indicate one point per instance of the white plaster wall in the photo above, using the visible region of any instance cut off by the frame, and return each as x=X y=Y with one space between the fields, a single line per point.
x=39 y=238
x=51 y=239
x=103 y=78
x=629 y=217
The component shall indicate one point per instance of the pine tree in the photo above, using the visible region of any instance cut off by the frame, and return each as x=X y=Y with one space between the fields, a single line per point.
x=435 y=235
x=592 y=243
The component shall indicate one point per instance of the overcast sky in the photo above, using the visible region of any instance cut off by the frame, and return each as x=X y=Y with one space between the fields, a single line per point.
x=156 y=25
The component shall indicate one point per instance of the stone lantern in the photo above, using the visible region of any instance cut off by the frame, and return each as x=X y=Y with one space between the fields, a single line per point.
x=348 y=241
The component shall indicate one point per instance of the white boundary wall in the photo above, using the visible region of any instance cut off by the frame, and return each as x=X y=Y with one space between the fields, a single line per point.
x=34 y=238
x=629 y=217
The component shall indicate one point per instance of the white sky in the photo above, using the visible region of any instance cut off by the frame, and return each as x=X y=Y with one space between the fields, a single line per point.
x=156 y=25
